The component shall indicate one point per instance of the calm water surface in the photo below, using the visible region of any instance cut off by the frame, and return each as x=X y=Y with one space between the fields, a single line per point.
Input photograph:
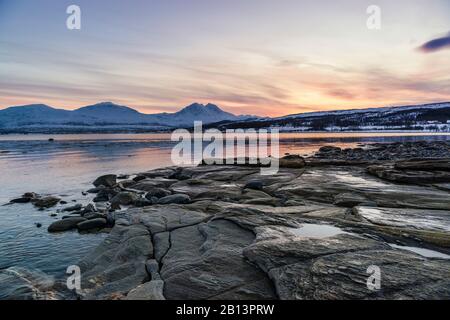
x=68 y=165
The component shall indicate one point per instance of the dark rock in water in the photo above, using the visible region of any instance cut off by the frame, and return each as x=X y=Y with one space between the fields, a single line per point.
x=20 y=200
x=31 y=195
x=175 y=198
x=76 y=207
x=51 y=140
x=25 y=198
x=65 y=224
x=46 y=202
x=123 y=176
x=254 y=185
x=63 y=202
x=38 y=225
x=124 y=199
x=109 y=180
x=158 y=193
x=92 y=224
x=293 y=162
x=53 y=215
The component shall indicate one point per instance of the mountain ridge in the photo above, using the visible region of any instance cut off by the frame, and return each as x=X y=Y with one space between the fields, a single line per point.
x=109 y=116
x=108 y=113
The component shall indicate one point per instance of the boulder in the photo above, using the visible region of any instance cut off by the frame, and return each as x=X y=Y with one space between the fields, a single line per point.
x=176 y=199
x=65 y=224
x=109 y=180
x=97 y=223
x=124 y=198
x=158 y=193
x=76 y=207
x=292 y=161
x=254 y=185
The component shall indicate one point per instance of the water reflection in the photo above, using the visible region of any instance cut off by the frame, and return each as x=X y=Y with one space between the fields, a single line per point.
x=69 y=164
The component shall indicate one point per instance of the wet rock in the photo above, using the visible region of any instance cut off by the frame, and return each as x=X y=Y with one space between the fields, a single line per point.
x=97 y=223
x=109 y=180
x=46 y=202
x=123 y=176
x=65 y=224
x=176 y=199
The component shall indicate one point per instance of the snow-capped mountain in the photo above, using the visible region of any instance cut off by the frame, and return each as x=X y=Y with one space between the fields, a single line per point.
x=107 y=114
x=426 y=117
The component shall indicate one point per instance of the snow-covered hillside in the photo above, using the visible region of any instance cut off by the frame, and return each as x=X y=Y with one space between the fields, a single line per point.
x=107 y=114
x=428 y=117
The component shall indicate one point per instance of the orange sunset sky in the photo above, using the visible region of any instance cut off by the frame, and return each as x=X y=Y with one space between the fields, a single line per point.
x=262 y=57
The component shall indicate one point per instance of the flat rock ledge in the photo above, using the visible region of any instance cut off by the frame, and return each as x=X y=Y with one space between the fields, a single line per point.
x=309 y=232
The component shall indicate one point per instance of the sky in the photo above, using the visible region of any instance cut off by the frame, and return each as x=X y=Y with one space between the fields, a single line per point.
x=262 y=57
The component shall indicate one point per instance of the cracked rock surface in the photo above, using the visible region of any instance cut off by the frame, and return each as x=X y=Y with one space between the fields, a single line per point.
x=306 y=233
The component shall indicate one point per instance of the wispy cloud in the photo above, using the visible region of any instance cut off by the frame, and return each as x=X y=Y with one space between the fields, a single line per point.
x=436 y=44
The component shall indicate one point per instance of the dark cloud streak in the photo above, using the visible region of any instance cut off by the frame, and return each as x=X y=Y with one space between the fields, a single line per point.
x=436 y=44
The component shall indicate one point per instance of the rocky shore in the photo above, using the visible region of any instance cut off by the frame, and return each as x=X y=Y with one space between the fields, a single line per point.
x=312 y=231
